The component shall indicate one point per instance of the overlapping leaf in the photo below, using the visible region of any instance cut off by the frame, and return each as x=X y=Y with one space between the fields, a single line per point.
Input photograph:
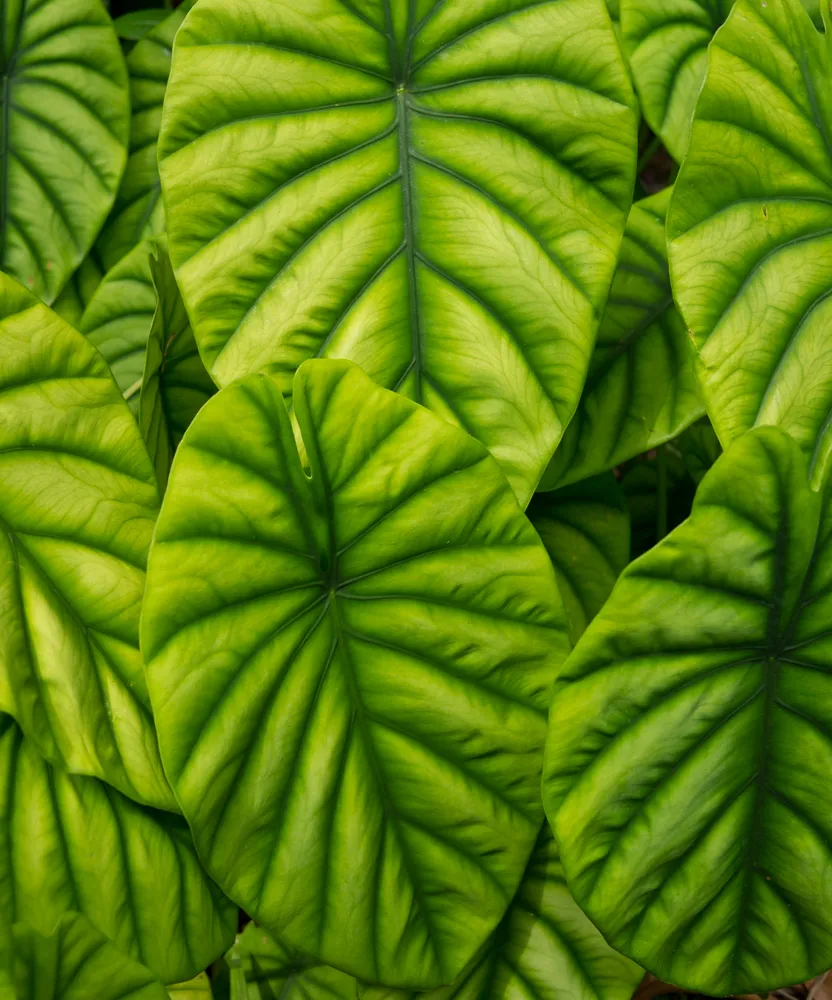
x=138 y=213
x=435 y=191
x=350 y=670
x=750 y=227
x=79 y=290
x=690 y=737
x=175 y=384
x=74 y=843
x=641 y=389
x=75 y=962
x=586 y=531
x=77 y=506
x=118 y=318
x=194 y=989
x=63 y=139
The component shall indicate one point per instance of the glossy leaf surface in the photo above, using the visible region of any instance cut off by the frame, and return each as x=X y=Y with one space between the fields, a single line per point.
x=586 y=531
x=435 y=191
x=74 y=843
x=350 y=672
x=138 y=212
x=77 y=506
x=63 y=142
x=117 y=319
x=750 y=227
x=641 y=389
x=76 y=962
x=175 y=384
x=544 y=949
x=689 y=750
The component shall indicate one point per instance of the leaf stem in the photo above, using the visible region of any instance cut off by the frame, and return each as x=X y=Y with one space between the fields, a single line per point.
x=134 y=388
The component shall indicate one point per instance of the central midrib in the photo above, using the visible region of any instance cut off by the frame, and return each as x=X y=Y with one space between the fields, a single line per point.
x=5 y=109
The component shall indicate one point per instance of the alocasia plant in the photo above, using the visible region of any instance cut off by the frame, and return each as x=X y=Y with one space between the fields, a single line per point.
x=434 y=190
x=750 y=227
x=63 y=139
x=349 y=652
x=689 y=751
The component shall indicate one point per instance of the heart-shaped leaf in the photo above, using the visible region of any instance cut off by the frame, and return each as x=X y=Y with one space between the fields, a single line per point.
x=78 y=502
x=586 y=531
x=74 y=843
x=690 y=737
x=175 y=385
x=75 y=962
x=436 y=191
x=350 y=670
x=138 y=213
x=641 y=389
x=750 y=227
x=63 y=143
x=118 y=318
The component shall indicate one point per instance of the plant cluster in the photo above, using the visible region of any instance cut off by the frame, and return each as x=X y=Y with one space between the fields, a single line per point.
x=379 y=613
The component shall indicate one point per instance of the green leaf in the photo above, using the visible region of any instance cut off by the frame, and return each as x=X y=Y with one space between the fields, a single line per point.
x=78 y=502
x=586 y=531
x=750 y=227
x=74 y=843
x=79 y=290
x=138 y=23
x=641 y=389
x=175 y=385
x=76 y=962
x=434 y=191
x=544 y=948
x=65 y=120
x=118 y=318
x=138 y=212
x=194 y=989
x=350 y=670
x=699 y=447
x=690 y=738
x=264 y=969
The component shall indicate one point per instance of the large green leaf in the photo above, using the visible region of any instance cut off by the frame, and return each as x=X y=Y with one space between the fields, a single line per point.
x=435 y=190
x=63 y=135
x=350 y=670
x=586 y=531
x=77 y=507
x=545 y=948
x=641 y=389
x=690 y=737
x=138 y=212
x=118 y=318
x=264 y=969
x=175 y=384
x=76 y=962
x=750 y=227
x=74 y=843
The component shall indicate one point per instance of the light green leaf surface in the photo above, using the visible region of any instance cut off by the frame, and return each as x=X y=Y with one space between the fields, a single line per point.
x=79 y=290
x=63 y=136
x=690 y=738
x=76 y=962
x=264 y=969
x=194 y=989
x=350 y=670
x=544 y=949
x=118 y=318
x=434 y=190
x=78 y=502
x=74 y=843
x=175 y=385
x=138 y=212
x=641 y=389
x=586 y=531
x=750 y=228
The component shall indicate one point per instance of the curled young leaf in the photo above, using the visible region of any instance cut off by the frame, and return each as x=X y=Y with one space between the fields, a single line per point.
x=436 y=191
x=78 y=501
x=750 y=227
x=350 y=668
x=690 y=737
